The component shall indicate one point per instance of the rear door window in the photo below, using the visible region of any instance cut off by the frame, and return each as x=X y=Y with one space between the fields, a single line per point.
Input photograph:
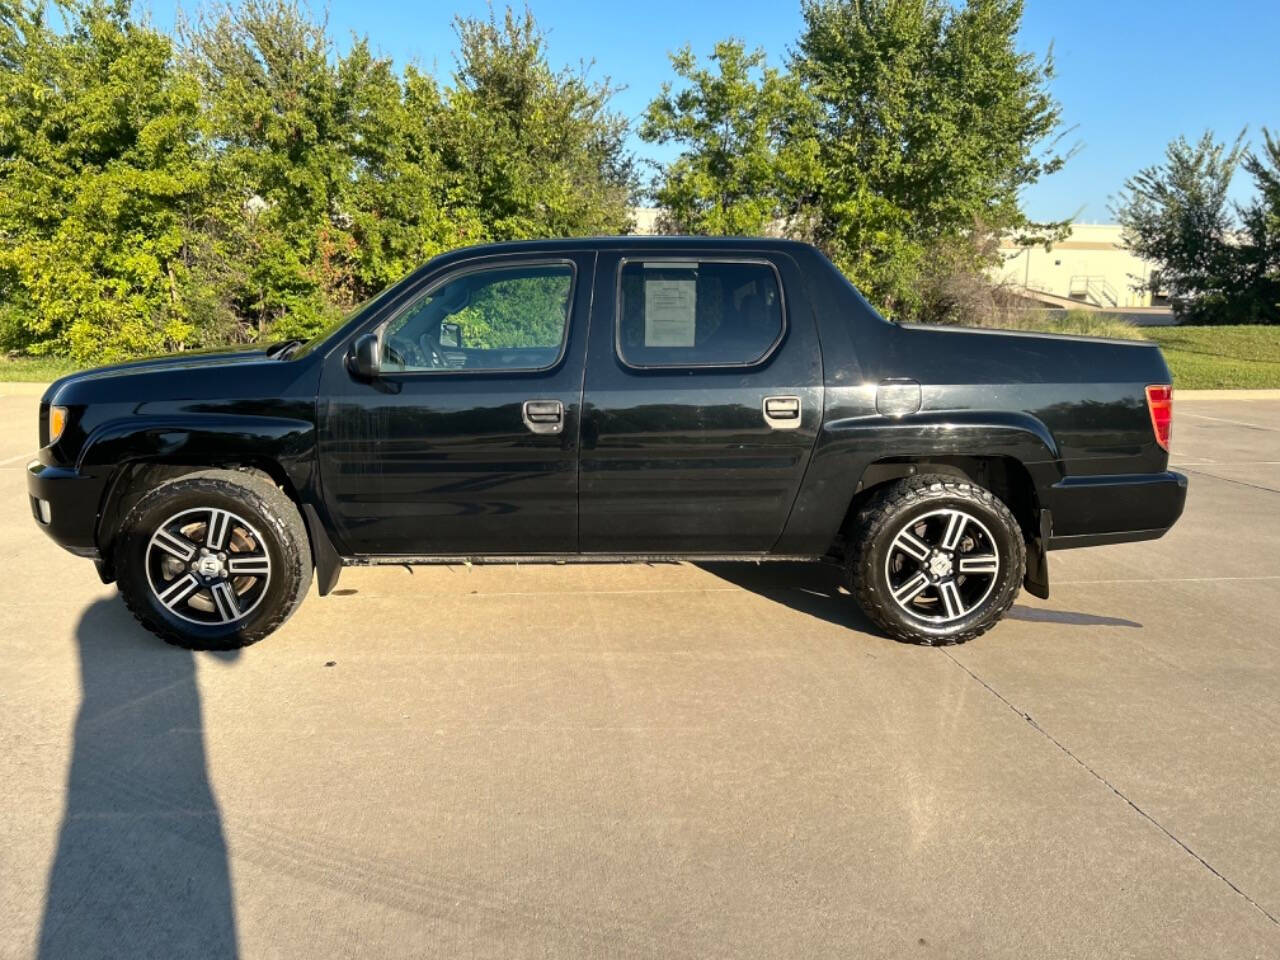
x=698 y=313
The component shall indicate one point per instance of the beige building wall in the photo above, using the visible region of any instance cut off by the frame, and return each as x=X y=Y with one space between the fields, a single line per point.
x=1091 y=266
x=644 y=220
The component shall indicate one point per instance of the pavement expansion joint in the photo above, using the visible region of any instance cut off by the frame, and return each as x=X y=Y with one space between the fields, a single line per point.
x=1112 y=787
x=1214 y=476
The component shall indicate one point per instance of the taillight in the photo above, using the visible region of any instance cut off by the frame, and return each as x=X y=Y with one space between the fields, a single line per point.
x=1160 y=405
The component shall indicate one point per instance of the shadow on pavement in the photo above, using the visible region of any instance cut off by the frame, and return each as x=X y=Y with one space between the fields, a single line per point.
x=141 y=868
x=1036 y=615
x=818 y=589
x=814 y=588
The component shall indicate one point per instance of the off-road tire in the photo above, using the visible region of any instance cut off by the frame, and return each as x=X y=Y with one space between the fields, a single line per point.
x=250 y=495
x=887 y=512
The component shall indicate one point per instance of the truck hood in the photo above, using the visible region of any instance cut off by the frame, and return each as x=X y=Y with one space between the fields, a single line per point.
x=202 y=360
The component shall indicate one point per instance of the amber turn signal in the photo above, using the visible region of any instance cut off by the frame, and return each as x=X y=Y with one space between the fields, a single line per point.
x=57 y=421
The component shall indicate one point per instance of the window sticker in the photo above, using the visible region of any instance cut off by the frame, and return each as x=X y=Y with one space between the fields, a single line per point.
x=670 y=312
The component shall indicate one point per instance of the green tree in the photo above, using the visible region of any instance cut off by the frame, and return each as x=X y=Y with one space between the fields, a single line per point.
x=529 y=151
x=249 y=182
x=1257 y=274
x=931 y=123
x=1177 y=215
x=398 y=204
x=898 y=141
x=749 y=150
x=1217 y=262
x=343 y=176
x=279 y=112
x=100 y=166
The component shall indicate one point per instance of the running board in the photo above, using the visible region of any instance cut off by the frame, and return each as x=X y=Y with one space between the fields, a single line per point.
x=557 y=558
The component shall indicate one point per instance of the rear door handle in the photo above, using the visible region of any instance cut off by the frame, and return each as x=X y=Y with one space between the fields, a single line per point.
x=782 y=413
x=543 y=416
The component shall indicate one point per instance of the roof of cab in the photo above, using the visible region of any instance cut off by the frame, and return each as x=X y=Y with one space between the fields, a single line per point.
x=629 y=242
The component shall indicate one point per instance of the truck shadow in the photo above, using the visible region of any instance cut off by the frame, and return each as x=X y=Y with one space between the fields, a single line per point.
x=141 y=866
x=818 y=589
x=814 y=588
x=1068 y=617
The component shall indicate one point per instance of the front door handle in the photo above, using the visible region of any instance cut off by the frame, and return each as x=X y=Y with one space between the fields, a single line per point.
x=543 y=416
x=782 y=413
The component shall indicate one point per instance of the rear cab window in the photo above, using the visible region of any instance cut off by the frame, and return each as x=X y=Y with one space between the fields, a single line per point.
x=682 y=313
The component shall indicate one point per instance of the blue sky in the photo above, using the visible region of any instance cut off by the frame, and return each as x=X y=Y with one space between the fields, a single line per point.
x=1131 y=74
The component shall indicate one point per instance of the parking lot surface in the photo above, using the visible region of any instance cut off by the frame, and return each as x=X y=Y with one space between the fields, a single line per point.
x=659 y=761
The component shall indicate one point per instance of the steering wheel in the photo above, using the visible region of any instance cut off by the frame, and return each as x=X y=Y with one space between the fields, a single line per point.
x=405 y=352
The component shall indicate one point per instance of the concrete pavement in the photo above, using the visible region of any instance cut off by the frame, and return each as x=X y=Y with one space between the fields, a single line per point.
x=659 y=761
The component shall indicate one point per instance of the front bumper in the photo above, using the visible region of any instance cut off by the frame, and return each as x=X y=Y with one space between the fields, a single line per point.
x=64 y=504
x=1089 y=511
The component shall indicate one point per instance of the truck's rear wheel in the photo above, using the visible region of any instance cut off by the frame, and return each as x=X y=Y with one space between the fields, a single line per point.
x=936 y=560
x=213 y=560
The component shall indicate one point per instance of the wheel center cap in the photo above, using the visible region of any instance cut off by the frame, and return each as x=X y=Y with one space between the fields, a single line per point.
x=209 y=566
x=940 y=565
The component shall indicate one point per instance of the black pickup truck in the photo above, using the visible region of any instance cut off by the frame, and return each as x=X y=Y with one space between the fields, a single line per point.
x=629 y=398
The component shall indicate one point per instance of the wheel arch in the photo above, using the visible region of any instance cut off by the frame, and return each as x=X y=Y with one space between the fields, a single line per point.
x=136 y=452
x=1005 y=476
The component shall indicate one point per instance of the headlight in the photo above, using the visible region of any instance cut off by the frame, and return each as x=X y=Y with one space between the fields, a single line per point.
x=57 y=421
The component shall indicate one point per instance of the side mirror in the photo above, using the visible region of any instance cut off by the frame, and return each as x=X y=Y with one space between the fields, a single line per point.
x=362 y=358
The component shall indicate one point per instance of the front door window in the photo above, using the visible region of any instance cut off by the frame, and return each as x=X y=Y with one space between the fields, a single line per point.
x=507 y=319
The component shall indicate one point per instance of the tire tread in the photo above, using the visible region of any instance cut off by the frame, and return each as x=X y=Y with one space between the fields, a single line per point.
x=275 y=506
x=879 y=512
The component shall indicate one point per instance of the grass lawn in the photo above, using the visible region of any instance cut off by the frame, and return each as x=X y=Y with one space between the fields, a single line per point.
x=1078 y=323
x=37 y=369
x=1211 y=358
x=1201 y=358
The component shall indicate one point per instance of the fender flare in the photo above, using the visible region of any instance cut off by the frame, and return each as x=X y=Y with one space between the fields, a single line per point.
x=288 y=442
x=965 y=433
x=986 y=434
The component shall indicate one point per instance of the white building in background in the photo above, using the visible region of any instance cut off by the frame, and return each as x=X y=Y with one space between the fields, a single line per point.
x=644 y=220
x=1091 y=268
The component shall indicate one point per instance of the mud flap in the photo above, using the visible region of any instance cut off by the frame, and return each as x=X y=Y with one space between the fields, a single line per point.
x=106 y=570
x=1036 y=581
x=328 y=563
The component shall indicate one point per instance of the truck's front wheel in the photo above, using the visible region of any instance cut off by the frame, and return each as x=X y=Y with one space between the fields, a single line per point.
x=213 y=560
x=935 y=559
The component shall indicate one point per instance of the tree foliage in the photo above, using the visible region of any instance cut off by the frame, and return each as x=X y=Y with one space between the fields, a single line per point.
x=246 y=180
x=249 y=182
x=744 y=164
x=1216 y=261
x=1257 y=272
x=99 y=171
x=532 y=151
x=898 y=140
